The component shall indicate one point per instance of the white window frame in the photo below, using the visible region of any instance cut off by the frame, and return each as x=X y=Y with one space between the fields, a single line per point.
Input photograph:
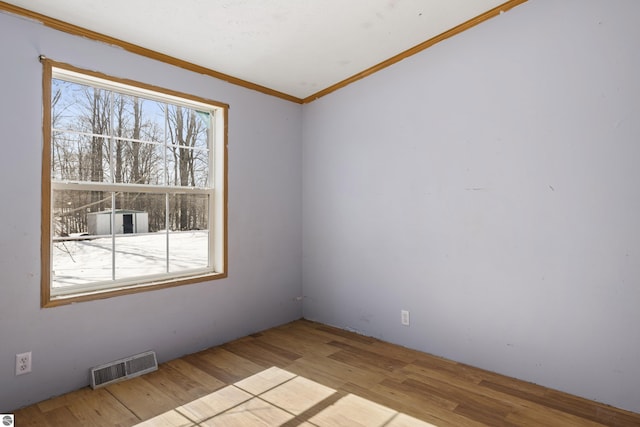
x=216 y=190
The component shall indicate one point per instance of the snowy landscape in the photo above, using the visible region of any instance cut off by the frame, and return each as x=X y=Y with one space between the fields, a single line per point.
x=89 y=258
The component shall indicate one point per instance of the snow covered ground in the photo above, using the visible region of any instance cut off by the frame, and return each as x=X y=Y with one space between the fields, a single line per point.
x=85 y=261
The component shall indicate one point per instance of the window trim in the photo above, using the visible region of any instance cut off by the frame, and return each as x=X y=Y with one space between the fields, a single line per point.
x=219 y=225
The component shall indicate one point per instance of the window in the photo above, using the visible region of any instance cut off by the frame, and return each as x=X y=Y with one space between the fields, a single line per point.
x=134 y=187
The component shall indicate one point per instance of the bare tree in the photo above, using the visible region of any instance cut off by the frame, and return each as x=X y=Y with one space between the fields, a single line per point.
x=184 y=132
x=108 y=137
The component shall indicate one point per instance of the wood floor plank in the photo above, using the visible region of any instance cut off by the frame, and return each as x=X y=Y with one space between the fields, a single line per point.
x=310 y=369
x=64 y=417
x=585 y=409
x=344 y=371
x=393 y=388
x=69 y=398
x=306 y=373
x=448 y=368
x=204 y=380
x=306 y=332
x=298 y=395
x=340 y=334
x=168 y=419
x=33 y=416
x=407 y=355
x=176 y=384
x=573 y=405
x=214 y=403
x=303 y=343
x=86 y=407
x=143 y=398
x=254 y=412
x=549 y=418
x=471 y=404
x=522 y=407
x=283 y=352
x=102 y=409
x=259 y=353
x=362 y=358
x=223 y=365
x=264 y=381
x=530 y=389
x=432 y=409
x=353 y=410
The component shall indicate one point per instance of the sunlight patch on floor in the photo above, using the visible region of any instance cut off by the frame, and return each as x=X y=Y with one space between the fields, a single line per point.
x=276 y=397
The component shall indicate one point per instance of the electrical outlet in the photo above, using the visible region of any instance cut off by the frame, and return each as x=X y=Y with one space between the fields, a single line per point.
x=23 y=363
x=404 y=317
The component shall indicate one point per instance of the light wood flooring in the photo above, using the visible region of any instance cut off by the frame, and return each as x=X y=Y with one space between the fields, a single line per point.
x=309 y=374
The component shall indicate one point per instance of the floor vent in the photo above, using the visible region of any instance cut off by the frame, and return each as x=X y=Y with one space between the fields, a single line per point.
x=123 y=369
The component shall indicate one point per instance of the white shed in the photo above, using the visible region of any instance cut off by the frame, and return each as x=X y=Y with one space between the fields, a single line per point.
x=126 y=222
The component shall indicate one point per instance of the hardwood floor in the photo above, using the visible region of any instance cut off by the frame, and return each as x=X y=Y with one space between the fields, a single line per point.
x=309 y=374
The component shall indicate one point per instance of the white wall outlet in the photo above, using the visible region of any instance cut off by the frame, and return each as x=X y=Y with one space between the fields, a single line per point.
x=23 y=363
x=404 y=317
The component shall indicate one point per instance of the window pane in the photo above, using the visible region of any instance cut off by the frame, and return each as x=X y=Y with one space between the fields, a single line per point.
x=188 y=212
x=187 y=167
x=188 y=250
x=80 y=108
x=187 y=151
x=138 y=118
x=136 y=153
x=189 y=236
x=71 y=208
x=138 y=162
x=79 y=157
x=201 y=168
x=141 y=238
x=79 y=256
x=203 y=121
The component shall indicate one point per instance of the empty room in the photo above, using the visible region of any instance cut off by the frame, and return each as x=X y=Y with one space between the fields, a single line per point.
x=320 y=213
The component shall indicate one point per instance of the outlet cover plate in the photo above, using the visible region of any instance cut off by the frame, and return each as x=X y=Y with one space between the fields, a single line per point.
x=23 y=363
x=404 y=317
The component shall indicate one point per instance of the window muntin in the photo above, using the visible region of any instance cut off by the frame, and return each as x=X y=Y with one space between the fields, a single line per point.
x=134 y=192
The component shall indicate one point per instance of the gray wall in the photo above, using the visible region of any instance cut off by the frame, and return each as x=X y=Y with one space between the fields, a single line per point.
x=265 y=267
x=491 y=186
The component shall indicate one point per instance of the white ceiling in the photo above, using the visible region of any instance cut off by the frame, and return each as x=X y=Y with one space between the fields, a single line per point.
x=297 y=47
